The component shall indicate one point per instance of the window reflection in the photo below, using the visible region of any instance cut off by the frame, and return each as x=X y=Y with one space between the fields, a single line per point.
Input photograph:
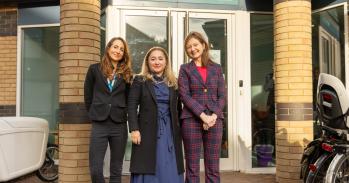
x=262 y=91
x=142 y=33
x=328 y=45
x=39 y=87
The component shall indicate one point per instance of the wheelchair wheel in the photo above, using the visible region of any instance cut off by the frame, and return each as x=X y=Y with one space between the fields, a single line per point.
x=339 y=169
x=49 y=170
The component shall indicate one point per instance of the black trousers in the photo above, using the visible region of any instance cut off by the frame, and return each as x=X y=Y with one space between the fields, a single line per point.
x=102 y=133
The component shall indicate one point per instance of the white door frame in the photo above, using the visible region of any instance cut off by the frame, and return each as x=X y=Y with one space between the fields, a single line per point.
x=243 y=140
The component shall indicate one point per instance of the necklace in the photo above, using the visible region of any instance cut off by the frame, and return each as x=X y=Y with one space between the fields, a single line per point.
x=157 y=79
x=158 y=82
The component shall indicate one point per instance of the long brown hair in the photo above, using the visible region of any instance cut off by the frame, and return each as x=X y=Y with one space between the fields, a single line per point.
x=124 y=68
x=205 y=58
x=168 y=74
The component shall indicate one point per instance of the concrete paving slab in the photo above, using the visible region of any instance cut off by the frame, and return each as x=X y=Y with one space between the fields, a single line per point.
x=227 y=177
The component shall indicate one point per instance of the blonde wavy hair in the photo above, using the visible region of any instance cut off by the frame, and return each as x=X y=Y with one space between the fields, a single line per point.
x=168 y=74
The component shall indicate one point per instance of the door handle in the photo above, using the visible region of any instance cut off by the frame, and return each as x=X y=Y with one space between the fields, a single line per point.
x=241 y=83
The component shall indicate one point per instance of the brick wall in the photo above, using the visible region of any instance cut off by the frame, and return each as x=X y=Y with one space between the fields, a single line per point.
x=74 y=152
x=8 y=60
x=293 y=85
x=8 y=21
x=79 y=47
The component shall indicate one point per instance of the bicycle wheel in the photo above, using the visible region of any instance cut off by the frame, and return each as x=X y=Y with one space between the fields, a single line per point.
x=49 y=170
x=311 y=153
x=305 y=170
x=338 y=170
x=321 y=164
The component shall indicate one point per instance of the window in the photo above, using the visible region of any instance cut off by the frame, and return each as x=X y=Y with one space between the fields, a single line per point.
x=40 y=66
x=329 y=54
x=262 y=91
x=328 y=43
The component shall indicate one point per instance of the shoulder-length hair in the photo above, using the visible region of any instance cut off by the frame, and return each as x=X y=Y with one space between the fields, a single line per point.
x=168 y=74
x=124 y=68
x=205 y=58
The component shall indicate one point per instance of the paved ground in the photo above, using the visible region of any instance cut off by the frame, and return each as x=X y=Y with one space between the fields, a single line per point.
x=227 y=177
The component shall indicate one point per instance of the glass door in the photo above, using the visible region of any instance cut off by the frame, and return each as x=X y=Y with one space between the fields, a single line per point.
x=216 y=28
x=262 y=91
x=143 y=29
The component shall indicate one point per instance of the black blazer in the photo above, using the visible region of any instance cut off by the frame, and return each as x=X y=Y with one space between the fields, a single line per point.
x=143 y=157
x=100 y=102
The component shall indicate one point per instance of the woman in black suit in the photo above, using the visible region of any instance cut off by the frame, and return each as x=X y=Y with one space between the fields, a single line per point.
x=157 y=144
x=106 y=88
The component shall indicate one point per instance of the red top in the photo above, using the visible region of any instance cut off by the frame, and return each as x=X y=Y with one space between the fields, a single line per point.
x=203 y=72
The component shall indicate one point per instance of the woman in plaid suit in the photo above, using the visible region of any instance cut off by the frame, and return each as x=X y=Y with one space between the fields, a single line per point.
x=202 y=91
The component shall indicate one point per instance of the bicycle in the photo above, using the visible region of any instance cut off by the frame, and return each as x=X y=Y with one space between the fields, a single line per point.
x=319 y=154
x=48 y=172
x=321 y=157
x=316 y=172
x=339 y=168
x=333 y=106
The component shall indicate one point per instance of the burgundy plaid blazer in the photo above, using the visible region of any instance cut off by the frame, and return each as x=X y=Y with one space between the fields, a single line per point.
x=198 y=96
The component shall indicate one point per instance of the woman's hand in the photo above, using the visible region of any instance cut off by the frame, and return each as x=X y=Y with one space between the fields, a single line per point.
x=212 y=120
x=208 y=120
x=205 y=118
x=136 y=137
x=205 y=126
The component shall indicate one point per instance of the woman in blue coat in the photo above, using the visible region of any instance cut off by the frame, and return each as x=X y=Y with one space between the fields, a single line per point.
x=153 y=121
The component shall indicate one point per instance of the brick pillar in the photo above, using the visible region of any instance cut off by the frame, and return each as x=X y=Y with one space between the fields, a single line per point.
x=79 y=47
x=293 y=85
x=8 y=60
